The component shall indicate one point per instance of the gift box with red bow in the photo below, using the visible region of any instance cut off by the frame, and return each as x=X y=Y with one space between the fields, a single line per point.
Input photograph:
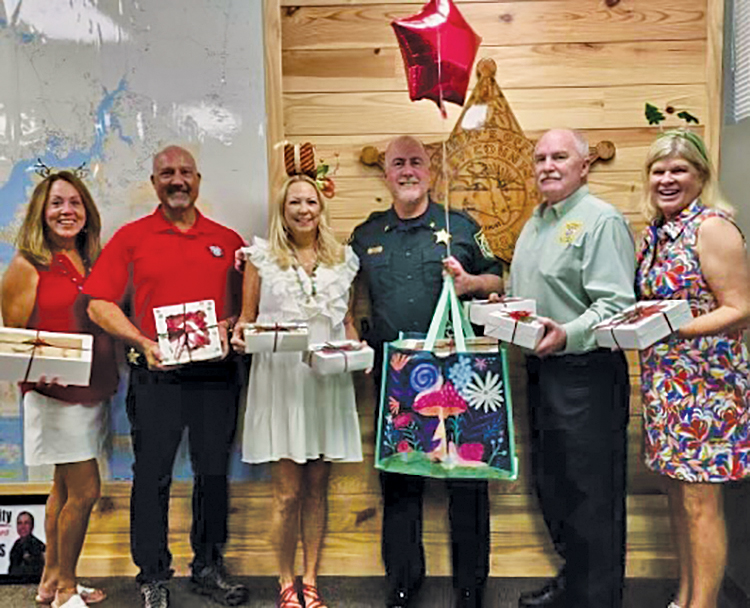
x=188 y=332
x=519 y=327
x=339 y=357
x=479 y=310
x=276 y=337
x=28 y=354
x=642 y=325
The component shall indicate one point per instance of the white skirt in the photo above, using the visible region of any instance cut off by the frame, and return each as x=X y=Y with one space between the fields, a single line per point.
x=294 y=414
x=57 y=432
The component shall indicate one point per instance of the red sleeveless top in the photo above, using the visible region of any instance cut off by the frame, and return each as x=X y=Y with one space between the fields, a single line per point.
x=60 y=306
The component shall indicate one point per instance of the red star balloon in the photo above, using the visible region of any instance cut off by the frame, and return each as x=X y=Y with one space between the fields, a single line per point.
x=438 y=48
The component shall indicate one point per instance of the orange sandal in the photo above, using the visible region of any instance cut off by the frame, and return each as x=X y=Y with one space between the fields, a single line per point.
x=312 y=597
x=289 y=598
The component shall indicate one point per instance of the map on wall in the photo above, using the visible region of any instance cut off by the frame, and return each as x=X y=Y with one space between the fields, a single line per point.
x=108 y=83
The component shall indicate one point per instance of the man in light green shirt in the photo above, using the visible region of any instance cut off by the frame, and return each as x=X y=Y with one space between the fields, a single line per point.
x=576 y=258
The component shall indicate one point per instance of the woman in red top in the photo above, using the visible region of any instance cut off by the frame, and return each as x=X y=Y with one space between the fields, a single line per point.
x=63 y=425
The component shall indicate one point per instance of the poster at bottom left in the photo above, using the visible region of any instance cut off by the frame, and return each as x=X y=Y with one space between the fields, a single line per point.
x=22 y=538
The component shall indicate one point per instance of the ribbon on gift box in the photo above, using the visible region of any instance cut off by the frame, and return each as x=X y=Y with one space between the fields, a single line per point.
x=500 y=300
x=341 y=349
x=36 y=343
x=276 y=328
x=32 y=344
x=188 y=331
x=637 y=314
x=519 y=316
x=643 y=312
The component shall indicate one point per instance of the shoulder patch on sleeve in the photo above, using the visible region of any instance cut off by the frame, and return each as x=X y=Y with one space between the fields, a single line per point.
x=483 y=245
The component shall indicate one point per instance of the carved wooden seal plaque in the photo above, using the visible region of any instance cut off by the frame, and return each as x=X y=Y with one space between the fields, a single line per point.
x=489 y=163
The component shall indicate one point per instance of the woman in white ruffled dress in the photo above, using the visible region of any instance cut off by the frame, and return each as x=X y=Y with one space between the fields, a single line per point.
x=299 y=421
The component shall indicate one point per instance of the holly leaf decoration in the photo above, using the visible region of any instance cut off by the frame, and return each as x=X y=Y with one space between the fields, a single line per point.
x=687 y=117
x=653 y=114
x=322 y=170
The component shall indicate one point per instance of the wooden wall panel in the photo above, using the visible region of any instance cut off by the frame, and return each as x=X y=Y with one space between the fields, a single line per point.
x=339 y=83
x=274 y=91
x=550 y=65
x=355 y=25
x=518 y=543
x=391 y=113
x=342 y=151
x=561 y=63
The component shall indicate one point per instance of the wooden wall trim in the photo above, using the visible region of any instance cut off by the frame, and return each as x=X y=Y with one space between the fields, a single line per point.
x=714 y=78
x=367 y=26
x=274 y=95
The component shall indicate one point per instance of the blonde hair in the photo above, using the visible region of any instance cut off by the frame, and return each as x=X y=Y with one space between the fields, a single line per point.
x=330 y=251
x=684 y=144
x=33 y=242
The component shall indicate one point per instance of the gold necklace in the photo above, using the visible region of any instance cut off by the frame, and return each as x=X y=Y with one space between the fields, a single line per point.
x=311 y=274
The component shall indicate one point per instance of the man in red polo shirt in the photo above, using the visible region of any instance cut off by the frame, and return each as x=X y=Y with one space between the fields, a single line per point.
x=174 y=256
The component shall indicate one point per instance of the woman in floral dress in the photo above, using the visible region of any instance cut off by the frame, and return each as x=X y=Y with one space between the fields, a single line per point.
x=695 y=384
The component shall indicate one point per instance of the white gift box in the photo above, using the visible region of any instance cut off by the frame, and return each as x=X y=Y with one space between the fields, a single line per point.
x=446 y=346
x=478 y=310
x=339 y=357
x=642 y=325
x=188 y=332
x=514 y=327
x=28 y=354
x=275 y=337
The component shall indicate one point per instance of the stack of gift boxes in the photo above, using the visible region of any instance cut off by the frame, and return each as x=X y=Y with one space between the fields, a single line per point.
x=28 y=355
x=339 y=357
x=189 y=332
x=511 y=320
x=276 y=337
x=514 y=320
x=642 y=325
x=324 y=359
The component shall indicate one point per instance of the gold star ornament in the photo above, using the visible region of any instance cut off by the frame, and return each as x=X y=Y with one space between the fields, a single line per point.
x=442 y=236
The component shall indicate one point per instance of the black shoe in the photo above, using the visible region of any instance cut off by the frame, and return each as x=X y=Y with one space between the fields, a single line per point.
x=212 y=581
x=469 y=597
x=154 y=595
x=546 y=597
x=403 y=597
x=398 y=598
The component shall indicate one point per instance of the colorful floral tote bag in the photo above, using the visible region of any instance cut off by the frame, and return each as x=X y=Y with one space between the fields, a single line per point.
x=445 y=406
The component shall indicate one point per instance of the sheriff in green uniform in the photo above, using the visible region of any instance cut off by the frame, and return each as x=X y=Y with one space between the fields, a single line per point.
x=402 y=254
x=402 y=264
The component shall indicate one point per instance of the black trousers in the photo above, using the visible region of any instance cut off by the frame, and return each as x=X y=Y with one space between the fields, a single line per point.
x=579 y=406
x=203 y=398
x=403 y=552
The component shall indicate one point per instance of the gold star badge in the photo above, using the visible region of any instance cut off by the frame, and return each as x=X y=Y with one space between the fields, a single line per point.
x=133 y=356
x=442 y=236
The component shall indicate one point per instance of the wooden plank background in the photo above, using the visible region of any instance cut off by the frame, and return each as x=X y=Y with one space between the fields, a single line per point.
x=335 y=78
x=560 y=63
